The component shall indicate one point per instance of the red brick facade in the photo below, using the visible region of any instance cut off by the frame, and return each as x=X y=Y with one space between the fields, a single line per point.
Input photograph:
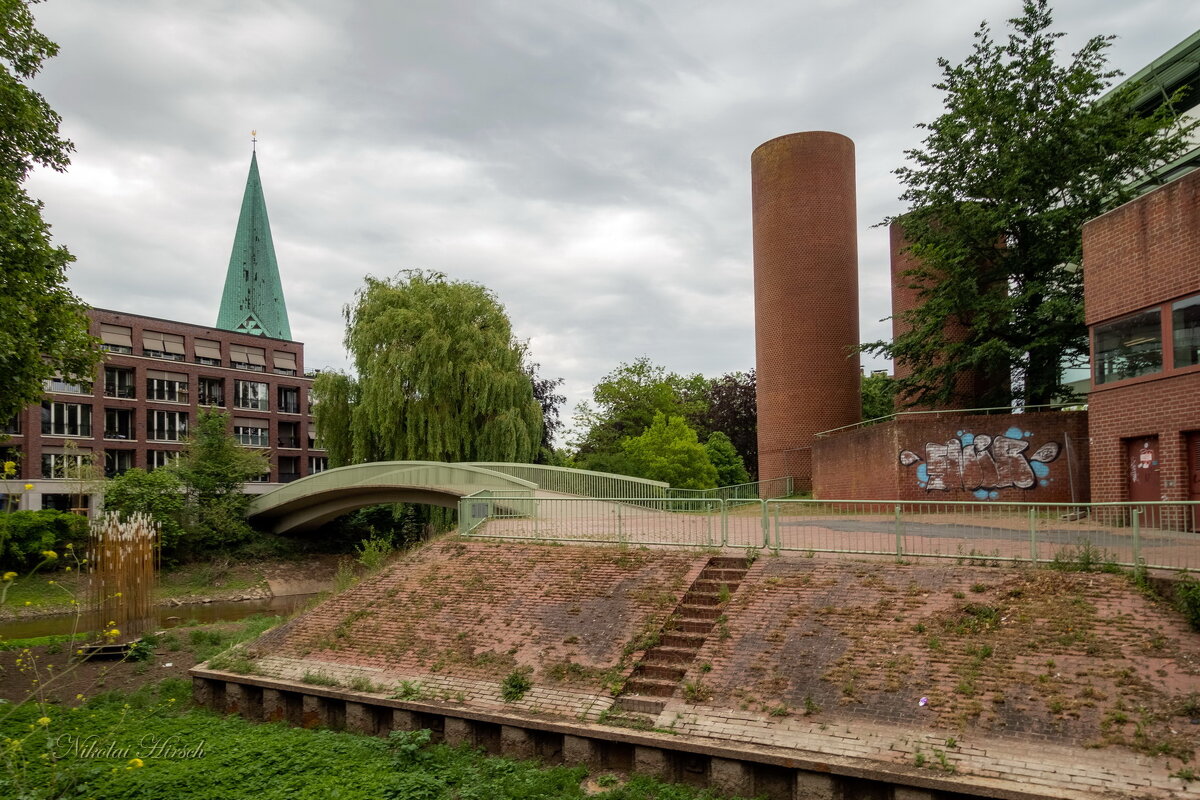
x=805 y=296
x=1143 y=256
x=1036 y=457
x=904 y=299
x=288 y=428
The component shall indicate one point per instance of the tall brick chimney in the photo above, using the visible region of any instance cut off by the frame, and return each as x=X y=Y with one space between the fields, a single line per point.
x=805 y=296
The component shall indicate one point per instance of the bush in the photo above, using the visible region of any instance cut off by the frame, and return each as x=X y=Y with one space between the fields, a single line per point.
x=24 y=535
x=1187 y=597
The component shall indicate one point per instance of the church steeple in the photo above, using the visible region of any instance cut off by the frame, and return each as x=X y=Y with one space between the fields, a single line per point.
x=253 y=298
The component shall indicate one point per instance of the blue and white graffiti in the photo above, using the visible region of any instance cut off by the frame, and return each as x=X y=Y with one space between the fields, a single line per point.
x=983 y=464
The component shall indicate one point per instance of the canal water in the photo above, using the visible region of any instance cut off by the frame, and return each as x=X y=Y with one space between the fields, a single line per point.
x=167 y=616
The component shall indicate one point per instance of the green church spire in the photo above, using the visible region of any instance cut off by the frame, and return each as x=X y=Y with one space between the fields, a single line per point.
x=253 y=298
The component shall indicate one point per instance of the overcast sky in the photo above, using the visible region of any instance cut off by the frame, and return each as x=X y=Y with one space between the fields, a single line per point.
x=587 y=160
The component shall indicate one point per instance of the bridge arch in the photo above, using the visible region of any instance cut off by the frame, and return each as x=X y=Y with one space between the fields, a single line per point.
x=316 y=499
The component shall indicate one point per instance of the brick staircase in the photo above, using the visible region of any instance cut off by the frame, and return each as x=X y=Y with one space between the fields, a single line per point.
x=661 y=668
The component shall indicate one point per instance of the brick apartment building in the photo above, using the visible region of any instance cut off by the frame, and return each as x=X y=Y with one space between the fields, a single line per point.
x=158 y=374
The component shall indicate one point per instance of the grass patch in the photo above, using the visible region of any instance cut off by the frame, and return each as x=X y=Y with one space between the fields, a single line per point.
x=238 y=760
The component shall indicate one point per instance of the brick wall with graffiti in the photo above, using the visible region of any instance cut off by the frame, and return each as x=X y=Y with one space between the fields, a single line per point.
x=1037 y=457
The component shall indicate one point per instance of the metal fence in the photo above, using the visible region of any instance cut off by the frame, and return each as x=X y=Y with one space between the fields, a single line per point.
x=1158 y=535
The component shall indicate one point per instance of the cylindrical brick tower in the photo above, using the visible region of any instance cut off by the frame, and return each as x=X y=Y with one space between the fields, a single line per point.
x=969 y=385
x=805 y=297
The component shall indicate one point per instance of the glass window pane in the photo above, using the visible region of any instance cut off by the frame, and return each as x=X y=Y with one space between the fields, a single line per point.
x=1128 y=347
x=1185 y=321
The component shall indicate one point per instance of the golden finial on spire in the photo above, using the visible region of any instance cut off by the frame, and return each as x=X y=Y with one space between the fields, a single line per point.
x=253 y=141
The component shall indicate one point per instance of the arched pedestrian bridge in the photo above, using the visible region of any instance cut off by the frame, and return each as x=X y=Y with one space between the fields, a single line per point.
x=314 y=500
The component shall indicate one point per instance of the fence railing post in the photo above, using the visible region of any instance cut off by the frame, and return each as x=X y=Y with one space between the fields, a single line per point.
x=899 y=533
x=766 y=524
x=1137 y=537
x=1033 y=551
x=724 y=524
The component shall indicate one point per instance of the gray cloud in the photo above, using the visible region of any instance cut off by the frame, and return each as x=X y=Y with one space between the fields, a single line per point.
x=588 y=162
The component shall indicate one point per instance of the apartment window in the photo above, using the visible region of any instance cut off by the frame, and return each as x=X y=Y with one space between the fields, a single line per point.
x=210 y=391
x=314 y=441
x=116 y=338
x=245 y=357
x=118 y=423
x=118 y=382
x=1185 y=324
x=58 y=463
x=61 y=385
x=166 y=426
x=65 y=502
x=285 y=363
x=116 y=462
x=207 y=352
x=252 y=432
x=66 y=419
x=11 y=426
x=250 y=395
x=289 y=468
x=289 y=434
x=167 y=387
x=160 y=458
x=317 y=464
x=289 y=399
x=162 y=345
x=264 y=478
x=1128 y=347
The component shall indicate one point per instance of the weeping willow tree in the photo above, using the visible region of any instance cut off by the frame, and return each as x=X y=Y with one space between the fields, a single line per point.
x=439 y=378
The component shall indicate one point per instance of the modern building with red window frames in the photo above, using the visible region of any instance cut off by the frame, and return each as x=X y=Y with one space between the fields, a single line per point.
x=157 y=375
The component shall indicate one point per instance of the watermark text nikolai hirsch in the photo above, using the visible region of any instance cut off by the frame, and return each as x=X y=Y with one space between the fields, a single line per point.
x=149 y=746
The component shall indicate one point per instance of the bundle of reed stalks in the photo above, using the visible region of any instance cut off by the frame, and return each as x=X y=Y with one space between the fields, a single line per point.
x=123 y=557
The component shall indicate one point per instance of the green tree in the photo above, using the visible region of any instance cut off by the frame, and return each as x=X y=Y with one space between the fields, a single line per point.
x=627 y=400
x=731 y=470
x=878 y=396
x=440 y=376
x=669 y=450
x=1026 y=151
x=213 y=469
x=45 y=330
x=159 y=494
x=732 y=408
x=333 y=400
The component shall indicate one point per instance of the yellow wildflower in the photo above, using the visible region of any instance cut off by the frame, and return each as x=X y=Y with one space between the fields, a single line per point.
x=70 y=546
x=50 y=554
x=79 y=696
x=10 y=467
x=29 y=487
x=68 y=569
x=43 y=721
x=10 y=576
x=136 y=762
x=28 y=603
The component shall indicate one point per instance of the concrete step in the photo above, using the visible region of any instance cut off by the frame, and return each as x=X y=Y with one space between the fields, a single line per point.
x=640 y=706
x=714 y=587
x=702 y=598
x=698 y=612
x=650 y=687
x=682 y=640
x=659 y=672
x=670 y=655
x=722 y=575
x=694 y=625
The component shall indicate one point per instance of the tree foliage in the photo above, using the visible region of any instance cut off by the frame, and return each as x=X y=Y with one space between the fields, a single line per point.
x=440 y=377
x=627 y=400
x=1025 y=152
x=731 y=470
x=545 y=391
x=333 y=399
x=45 y=330
x=198 y=498
x=669 y=450
x=731 y=407
x=878 y=396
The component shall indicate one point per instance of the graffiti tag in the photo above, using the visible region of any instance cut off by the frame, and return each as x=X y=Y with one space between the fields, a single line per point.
x=982 y=464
